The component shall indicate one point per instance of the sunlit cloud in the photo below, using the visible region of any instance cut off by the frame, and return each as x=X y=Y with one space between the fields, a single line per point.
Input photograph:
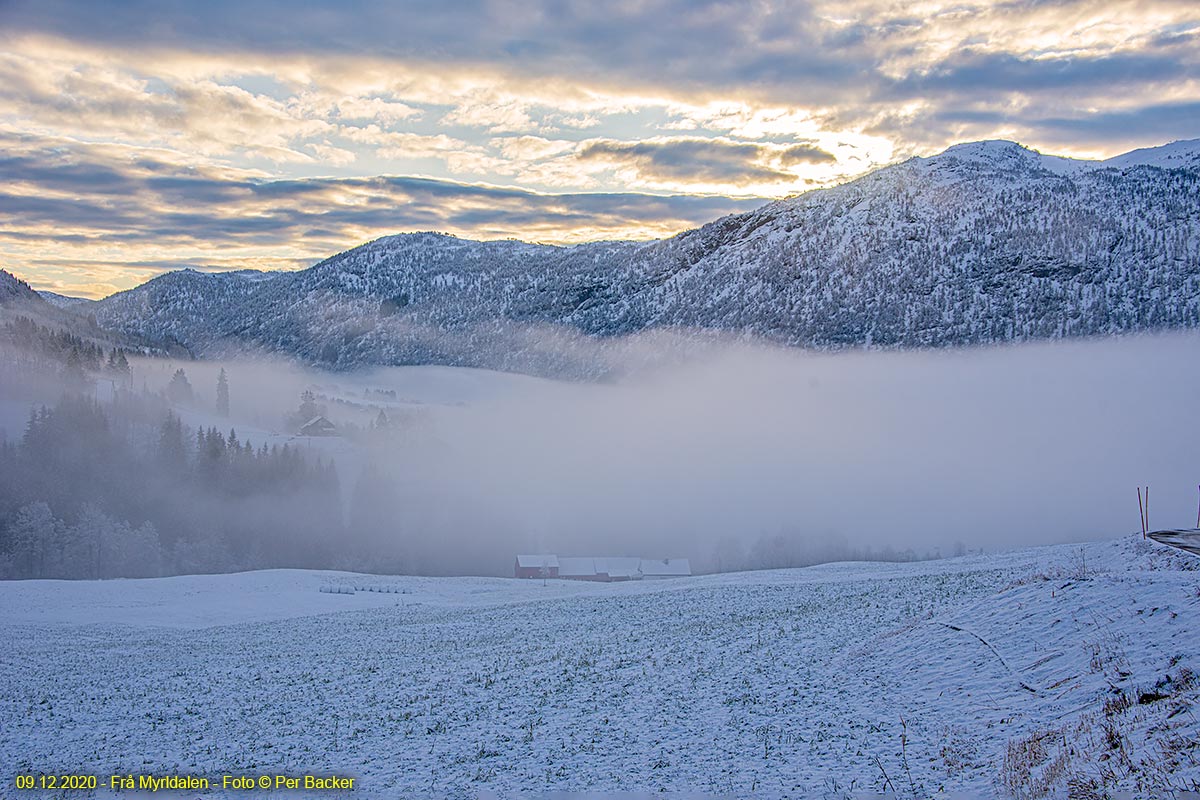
x=718 y=162
x=151 y=215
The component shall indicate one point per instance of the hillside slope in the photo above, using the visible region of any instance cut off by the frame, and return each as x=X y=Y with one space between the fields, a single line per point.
x=18 y=301
x=1036 y=673
x=986 y=242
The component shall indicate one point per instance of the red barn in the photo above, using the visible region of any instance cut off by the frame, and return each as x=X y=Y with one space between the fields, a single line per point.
x=536 y=566
x=603 y=570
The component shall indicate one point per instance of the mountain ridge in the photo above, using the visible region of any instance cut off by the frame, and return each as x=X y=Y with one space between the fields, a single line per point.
x=985 y=242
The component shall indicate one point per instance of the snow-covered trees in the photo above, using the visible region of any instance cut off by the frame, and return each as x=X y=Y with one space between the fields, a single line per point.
x=309 y=408
x=35 y=540
x=127 y=490
x=172 y=451
x=96 y=546
x=179 y=390
x=99 y=546
x=961 y=248
x=222 y=394
x=118 y=366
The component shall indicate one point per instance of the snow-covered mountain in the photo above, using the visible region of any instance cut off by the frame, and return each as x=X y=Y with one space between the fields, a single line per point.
x=985 y=242
x=18 y=300
x=14 y=291
x=64 y=301
x=1176 y=155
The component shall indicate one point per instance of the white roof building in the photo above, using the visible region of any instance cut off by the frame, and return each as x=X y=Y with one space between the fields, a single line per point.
x=577 y=567
x=619 y=569
x=609 y=568
x=318 y=426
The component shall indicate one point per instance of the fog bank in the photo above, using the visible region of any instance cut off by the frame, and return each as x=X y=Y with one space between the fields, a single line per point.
x=734 y=455
x=994 y=448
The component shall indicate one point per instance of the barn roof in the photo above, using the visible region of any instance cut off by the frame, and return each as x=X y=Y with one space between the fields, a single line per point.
x=613 y=567
x=576 y=567
x=537 y=561
x=318 y=423
x=618 y=567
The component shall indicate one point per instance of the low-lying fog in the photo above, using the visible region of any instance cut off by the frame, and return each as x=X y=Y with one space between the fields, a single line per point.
x=740 y=455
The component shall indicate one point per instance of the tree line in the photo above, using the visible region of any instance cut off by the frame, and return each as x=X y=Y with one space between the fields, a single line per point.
x=127 y=489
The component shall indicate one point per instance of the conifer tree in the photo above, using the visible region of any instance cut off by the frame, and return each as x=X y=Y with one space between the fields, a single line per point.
x=222 y=394
x=170 y=441
x=179 y=390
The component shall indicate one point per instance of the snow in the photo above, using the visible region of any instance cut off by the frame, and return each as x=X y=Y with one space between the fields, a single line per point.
x=986 y=242
x=778 y=683
x=64 y=301
x=188 y=601
x=1183 y=154
x=1001 y=154
x=618 y=567
x=577 y=567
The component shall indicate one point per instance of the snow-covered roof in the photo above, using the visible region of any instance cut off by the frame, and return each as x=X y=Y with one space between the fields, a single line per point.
x=612 y=566
x=666 y=566
x=618 y=567
x=576 y=567
x=537 y=561
x=319 y=422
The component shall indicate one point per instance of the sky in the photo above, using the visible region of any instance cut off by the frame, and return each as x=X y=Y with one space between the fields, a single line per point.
x=148 y=135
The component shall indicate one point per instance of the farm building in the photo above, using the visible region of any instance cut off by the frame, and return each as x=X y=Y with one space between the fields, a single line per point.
x=599 y=569
x=604 y=570
x=536 y=566
x=579 y=569
x=318 y=426
x=619 y=569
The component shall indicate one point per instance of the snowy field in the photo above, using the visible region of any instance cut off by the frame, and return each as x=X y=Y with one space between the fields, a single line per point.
x=1044 y=672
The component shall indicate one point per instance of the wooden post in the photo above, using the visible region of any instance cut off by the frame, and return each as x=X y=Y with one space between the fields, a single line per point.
x=1147 y=511
x=1142 y=512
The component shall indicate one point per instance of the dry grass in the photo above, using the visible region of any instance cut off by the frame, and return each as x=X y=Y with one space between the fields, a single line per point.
x=1100 y=753
x=1075 y=568
x=958 y=751
x=1034 y=765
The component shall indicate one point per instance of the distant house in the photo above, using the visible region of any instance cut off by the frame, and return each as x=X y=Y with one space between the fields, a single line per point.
x=318 y=426
x=618 y=569
x=602 y=570
x=578 y=569
x=536 y=566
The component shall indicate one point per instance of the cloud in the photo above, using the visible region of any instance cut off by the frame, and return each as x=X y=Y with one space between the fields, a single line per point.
x=151 y=211
x=374 y=108
x=692 y=160
x=395 y=145
x=815 y=54
x=766 y=72
x=198 y=208
x=511 y=116
x=984 y=72
x=707 y=43
x=805 y=154
x=1166 y=121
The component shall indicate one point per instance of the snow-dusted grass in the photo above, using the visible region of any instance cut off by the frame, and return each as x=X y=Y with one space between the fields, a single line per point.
x=1032 y=674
